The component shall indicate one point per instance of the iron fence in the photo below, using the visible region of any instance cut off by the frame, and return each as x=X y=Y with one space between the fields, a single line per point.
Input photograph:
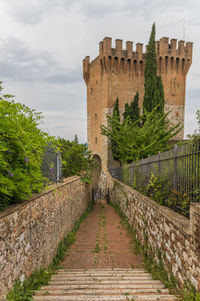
x=177 y=169
x=52 y=164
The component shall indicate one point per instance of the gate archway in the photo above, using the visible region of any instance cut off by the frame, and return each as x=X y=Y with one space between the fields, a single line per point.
x=97 y=171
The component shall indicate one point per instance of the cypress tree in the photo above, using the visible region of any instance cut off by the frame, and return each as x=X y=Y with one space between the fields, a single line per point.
x=126 y=110
x=135 y=108
x=132 y=110
x=153 y=93
x=150 y=73
x=116 y=109
x=115 y=127
x=159 y=98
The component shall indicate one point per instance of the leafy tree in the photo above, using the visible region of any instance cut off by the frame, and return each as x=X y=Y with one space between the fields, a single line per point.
x=196 y=135
x=133 y=142
x=22 y=144
x=153 y=93
x=132 y=111
x=76 y=139
x=198 y=121
x=76 y=159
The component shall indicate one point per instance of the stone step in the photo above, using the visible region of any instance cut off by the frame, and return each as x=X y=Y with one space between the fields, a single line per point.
x=95 y=276
x=156 y=297
x=100 y=286
x=102 y=275
x=100 y=279
x=104 y=291
x=102 y=272
x=103 y=285
x=111 y=282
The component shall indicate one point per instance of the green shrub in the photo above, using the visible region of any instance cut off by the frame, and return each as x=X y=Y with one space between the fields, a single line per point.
x=159 y=189
x=76 y=159
x=22 y=144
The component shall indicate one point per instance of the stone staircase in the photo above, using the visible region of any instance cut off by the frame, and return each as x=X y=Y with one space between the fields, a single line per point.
x=103 y=284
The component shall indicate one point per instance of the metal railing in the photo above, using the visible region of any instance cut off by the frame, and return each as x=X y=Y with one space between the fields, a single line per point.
x=52 y=164
x=178 y=169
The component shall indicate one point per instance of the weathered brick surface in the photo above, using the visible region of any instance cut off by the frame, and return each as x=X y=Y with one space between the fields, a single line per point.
x=30 y=232
x=168 y=233
x=102 y=228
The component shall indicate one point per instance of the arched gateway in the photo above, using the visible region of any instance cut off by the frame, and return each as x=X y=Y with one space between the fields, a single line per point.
x=97 y=171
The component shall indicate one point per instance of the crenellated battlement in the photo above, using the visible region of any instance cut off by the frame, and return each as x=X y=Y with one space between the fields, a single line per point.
x=105 y=49
x=163 y=48
x=170 y=58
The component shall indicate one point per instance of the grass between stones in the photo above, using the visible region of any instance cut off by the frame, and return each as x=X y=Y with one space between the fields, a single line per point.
x=157 y=269
x=101 y=237
x=24 y=291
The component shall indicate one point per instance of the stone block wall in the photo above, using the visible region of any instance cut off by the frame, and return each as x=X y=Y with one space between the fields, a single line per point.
x=30 y=232
x=174 y=237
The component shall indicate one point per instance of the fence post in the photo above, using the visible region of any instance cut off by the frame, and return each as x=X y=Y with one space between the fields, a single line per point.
x=159 y=171
x=198 y=153
x=58 y=168
x=175 y=167
x=131 y=175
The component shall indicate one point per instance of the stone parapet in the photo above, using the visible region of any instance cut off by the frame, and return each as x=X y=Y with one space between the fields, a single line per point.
x=173 y=237
x=30 y=232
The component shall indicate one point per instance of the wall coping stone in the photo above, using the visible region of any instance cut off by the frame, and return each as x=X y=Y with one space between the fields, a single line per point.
x=12 y=208
x=177 y=219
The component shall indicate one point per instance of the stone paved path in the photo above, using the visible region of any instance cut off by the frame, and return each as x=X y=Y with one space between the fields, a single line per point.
x=102 y=242
x=100 y=266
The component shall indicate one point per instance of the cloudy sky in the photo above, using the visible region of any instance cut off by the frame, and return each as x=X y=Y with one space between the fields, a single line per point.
x=43 y=42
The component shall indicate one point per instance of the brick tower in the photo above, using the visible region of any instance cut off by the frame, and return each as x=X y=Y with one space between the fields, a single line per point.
x=120 y=73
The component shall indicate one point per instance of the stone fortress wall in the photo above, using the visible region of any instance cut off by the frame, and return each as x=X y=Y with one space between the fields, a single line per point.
x=167 y=234
x=30 y=232
x=118 y=72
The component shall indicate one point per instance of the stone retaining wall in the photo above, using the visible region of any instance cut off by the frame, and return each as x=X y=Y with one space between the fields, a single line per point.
x=169 y=234
x=30 y=232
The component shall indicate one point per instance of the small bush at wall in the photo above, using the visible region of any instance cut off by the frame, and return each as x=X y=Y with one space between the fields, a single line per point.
x=76 y=159
x=159 y=189
x=26 y=290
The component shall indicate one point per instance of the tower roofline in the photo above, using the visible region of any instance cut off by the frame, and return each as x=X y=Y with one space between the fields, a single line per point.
x=163 y=47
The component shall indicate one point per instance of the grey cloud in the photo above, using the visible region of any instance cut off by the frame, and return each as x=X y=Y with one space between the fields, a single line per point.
x=148 y=9
x=30 y=12
x=194 y=93
x=18 y=62
x=33 y=11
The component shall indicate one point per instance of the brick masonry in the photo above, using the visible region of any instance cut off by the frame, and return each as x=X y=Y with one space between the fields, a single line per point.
x=118 y=72
x=30 y=232
x=174 y=236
